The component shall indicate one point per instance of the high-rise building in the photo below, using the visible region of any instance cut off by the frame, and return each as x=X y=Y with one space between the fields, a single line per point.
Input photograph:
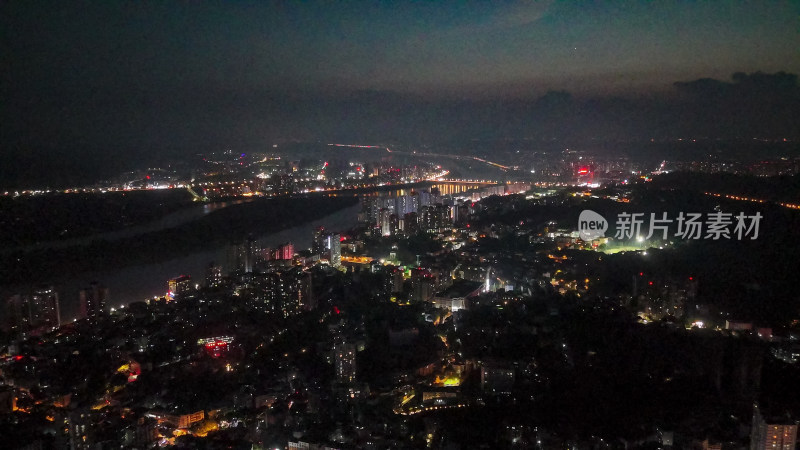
x=402 y=205
x=93 y=300
x=319 y=244
x=213 y=275
x=282 y=293
x=436 y=195
x=778 y=433
x=286 y=251
x=369 y=210
x=462 y=214
x=306 y=299
x=423 y=285
x=345 y=362
x=247 y=254
x=410 y=223
x=334 y=246
x=46 y=309
x=14 y=315
x=427 y=218
x=286 y=291
x=397 y=280
x=385 y=222
x=434 y=217
x=33 y=313
x=414 y=202
x=424 y=198
x=178 y=286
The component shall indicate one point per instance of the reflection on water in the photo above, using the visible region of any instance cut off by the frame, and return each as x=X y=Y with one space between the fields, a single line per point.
x=444 y=189
x=453 y=188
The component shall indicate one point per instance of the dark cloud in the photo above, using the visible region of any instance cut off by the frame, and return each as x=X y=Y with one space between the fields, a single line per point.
x=143 y=123
x=758 y=85
x=750 y=105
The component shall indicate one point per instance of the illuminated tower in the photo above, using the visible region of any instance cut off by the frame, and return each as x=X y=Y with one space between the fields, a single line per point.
x=247 y=254
x=384 y=221
x=287 y=251
x=334 y=245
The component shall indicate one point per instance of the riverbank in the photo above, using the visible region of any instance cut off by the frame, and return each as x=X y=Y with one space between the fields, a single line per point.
x=233 y=223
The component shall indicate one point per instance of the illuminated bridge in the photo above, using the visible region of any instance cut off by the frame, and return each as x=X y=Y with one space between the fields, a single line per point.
x=479 y=182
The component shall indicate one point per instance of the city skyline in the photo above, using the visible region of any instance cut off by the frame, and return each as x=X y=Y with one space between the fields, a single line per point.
x=117 y=84
x=335 y=225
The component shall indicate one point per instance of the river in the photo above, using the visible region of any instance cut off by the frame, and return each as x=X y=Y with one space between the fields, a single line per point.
x=171 y=220
x=136 y=283
x=139 y=282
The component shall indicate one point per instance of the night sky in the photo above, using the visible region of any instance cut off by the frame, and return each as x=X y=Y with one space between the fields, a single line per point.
x=105 y=79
